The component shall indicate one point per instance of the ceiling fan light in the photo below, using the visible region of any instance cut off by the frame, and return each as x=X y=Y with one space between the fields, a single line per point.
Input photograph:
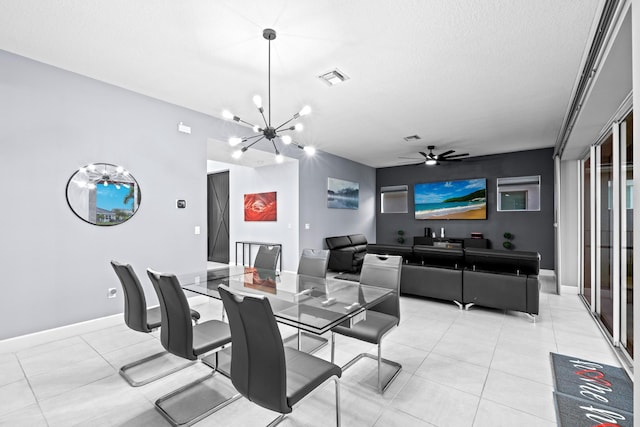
x=431 y=162
x=286 y=139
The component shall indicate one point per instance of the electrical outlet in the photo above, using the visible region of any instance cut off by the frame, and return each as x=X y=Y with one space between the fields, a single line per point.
x=112 y=292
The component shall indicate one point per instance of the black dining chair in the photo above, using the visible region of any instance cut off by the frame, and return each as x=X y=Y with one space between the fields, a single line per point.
x=262 y=369
x=180 y=338
x=267 y=257
x=381 y=271
x=314 y=262
x=142 y=319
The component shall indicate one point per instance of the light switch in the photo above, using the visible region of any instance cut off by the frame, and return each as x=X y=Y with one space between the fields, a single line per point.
x=307 y=226
x=196 y=230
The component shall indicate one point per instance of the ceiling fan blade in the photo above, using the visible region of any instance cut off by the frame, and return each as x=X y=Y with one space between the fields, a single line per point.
x=446 y=153
x=421 y=152
x=408 y=158
x=457 y=155
x=450 y=160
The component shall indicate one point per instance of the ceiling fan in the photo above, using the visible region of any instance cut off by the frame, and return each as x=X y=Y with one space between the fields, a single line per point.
x=432 y=159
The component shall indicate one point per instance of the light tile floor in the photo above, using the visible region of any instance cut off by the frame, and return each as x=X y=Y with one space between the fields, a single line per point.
x=479 y=368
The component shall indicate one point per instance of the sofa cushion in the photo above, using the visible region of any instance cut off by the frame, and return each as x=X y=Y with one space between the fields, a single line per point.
x=338 y=242
x=358 y=239
x=440 y=257
x=382 y=249
x=514 y=262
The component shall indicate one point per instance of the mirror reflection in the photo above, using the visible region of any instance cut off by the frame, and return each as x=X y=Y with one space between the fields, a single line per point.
x=103 y=194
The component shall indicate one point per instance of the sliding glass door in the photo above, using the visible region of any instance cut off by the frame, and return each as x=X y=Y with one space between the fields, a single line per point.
x=607 y=233
x=605 y=213
x=586 y=230
x=626 y=232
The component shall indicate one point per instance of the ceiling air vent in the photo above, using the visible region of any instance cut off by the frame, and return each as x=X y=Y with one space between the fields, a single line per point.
x=412 y=138
x=333 y=77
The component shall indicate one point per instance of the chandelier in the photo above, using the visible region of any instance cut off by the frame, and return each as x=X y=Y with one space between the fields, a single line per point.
x=269 y=132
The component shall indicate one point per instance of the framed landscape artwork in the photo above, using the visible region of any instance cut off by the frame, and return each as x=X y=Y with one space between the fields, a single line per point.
x=261 y=207
x=342 y=194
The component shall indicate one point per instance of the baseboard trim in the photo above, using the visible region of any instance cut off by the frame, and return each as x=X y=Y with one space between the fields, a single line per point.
x=22 y=342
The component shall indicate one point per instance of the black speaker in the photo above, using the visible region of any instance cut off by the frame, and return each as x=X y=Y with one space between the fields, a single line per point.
x=427 y=231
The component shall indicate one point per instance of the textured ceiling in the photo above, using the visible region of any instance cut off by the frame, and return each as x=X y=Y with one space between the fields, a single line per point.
x=481 y=77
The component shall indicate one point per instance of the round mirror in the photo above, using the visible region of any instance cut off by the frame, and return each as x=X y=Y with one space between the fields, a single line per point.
x=103 y=194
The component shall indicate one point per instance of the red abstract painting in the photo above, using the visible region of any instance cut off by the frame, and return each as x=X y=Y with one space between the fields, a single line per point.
x=261 y=207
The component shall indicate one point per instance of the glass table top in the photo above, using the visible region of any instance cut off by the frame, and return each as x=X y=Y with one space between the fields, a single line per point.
x=310 y=303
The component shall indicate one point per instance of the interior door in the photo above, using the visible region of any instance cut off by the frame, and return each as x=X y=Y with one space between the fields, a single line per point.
x=218 y=217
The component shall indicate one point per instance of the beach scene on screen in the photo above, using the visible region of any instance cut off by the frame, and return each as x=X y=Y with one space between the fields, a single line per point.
x=462 y=199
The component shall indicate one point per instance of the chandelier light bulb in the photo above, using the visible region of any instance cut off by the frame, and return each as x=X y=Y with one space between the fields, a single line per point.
x=257 y=100
x=279 y=158
x=125 y=185
x=233 y=141
x=257 y=129
x=227 y=114
x=309 y=150
x=119 y=169
x=105 y=183
x=91 y=186
x=91 y=167
x=286 y=139
x=299 y=127
x=305 y=110
x=237 y=154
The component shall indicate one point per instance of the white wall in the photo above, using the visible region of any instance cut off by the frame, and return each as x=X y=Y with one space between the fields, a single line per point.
x=55 y=266
x=283 y=179
x=569 y=223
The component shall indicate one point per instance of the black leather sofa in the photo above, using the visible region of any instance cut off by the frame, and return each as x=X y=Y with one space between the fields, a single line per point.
x=500 y=279
x=346 y=253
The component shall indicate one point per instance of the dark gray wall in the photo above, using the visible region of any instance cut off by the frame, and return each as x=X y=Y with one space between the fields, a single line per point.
x=533 y=231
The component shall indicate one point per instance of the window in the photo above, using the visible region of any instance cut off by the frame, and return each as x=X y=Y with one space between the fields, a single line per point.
x=393 y=199
x=519 y=193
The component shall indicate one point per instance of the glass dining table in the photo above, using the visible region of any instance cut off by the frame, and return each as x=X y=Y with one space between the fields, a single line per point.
x=310 y=304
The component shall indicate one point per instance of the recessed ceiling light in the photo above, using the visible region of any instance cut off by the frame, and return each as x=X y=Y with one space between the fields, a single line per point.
x=333 y=77
x=411 y=138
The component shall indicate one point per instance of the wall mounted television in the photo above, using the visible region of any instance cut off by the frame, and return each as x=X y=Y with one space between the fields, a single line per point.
x=461 y=199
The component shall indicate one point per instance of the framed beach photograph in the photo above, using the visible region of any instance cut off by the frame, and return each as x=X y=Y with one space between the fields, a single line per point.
x=462 y=199
x=261 y=207
x=342 y=194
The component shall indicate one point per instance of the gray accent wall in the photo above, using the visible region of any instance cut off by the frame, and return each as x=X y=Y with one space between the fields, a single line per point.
x=533 y=231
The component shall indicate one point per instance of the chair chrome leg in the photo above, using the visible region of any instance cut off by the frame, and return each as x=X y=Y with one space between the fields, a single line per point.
x=396 y=365
x=174 y=422
x=124 y=370
x=532 y=317
x=277 y=420
x=337 y=381
x=459 y=304
x=469 y=305
x=333 y=346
